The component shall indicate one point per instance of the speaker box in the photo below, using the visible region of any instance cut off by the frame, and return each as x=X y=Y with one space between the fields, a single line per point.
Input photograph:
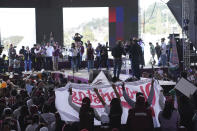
x=94 y=73
x=195 y=12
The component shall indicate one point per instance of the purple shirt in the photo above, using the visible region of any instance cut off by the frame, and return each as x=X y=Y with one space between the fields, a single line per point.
x=56 y=52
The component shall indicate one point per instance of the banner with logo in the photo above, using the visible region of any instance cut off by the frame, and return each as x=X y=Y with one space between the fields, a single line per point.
x=80 y=91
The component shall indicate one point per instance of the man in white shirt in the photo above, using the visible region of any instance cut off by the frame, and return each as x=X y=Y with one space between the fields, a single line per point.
x=49 y=55
x=163 y=52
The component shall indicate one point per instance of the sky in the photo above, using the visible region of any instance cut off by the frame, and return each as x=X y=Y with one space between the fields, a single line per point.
x=19 y=21
x=82 y=14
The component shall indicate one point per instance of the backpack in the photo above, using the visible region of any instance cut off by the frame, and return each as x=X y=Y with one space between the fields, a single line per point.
x=140 y=120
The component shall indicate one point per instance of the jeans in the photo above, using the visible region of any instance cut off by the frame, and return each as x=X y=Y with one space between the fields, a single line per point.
x=27 y=62
x=74 y=62
x=40 y=63
x=136 y=68
x=108 y=64
x=11 y=62
x=49 y=63
x=163 y=59
x=3 y=69
x=90 y=64
x=117 y=67
x=131 y=66
x=55 y=62
x=98 y=61
x=80 y=61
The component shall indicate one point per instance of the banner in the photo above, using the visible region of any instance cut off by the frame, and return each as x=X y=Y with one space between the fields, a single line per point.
x=185 y=87
x=67 y=112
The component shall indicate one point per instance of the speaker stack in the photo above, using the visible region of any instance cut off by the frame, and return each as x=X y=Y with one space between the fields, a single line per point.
x=93 y=74
x=195 y=12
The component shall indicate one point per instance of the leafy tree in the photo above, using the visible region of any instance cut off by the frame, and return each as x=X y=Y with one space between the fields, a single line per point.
x=89 y=30
x=159 y=20
x=15 y=40
x=88 y=34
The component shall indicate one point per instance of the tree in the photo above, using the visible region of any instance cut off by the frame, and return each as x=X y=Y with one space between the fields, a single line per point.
x=159 y=20
x=88 y=34
x=14 y=40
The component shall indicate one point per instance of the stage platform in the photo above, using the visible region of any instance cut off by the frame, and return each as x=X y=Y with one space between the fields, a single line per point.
x=83 y=75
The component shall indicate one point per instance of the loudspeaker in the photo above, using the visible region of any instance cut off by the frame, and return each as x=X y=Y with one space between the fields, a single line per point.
x=195 y=12
x=94 y=73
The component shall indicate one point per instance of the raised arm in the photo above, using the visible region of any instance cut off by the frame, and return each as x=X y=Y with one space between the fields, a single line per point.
x=161 y=100
x=151 y=95
x=76 y=108
x=127 y=98
x=115 y=90
x=97 y=115
x=99 y=96
x=107 y=109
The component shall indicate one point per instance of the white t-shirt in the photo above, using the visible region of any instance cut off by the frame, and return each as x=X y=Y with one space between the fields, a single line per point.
x=163 y=47
x=74 y=51
x=49 y=51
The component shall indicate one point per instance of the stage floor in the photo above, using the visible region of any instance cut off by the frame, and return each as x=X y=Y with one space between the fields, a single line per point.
x=83 y=75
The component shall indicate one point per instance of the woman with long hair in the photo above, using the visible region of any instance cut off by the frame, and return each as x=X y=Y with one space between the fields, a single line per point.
x=114 y=110
x=115 y=113
x=169 y=118
x=86 y=113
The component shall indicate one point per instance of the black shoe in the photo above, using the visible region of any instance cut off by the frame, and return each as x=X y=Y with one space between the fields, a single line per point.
x=114 y=79
x=118 y=79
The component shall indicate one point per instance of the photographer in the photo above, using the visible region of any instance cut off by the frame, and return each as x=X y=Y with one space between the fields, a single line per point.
x=77 y=37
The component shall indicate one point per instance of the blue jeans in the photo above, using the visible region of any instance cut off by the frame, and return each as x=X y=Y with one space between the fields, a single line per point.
x=108 y=64
x=74 y=64
x=90 y=64
x=80 y=61
x=117 y=67
x=27 y=62
x=163 y=59
x=98 y=61
x=131 y=66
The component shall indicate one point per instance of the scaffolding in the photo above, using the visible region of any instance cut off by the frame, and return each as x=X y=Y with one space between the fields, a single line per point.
x=185 y=34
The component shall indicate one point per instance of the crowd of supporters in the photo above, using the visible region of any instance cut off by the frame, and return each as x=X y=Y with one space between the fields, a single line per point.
x=28 y=104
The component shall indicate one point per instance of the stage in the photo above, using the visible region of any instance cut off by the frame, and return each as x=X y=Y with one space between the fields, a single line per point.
x=82 y=76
